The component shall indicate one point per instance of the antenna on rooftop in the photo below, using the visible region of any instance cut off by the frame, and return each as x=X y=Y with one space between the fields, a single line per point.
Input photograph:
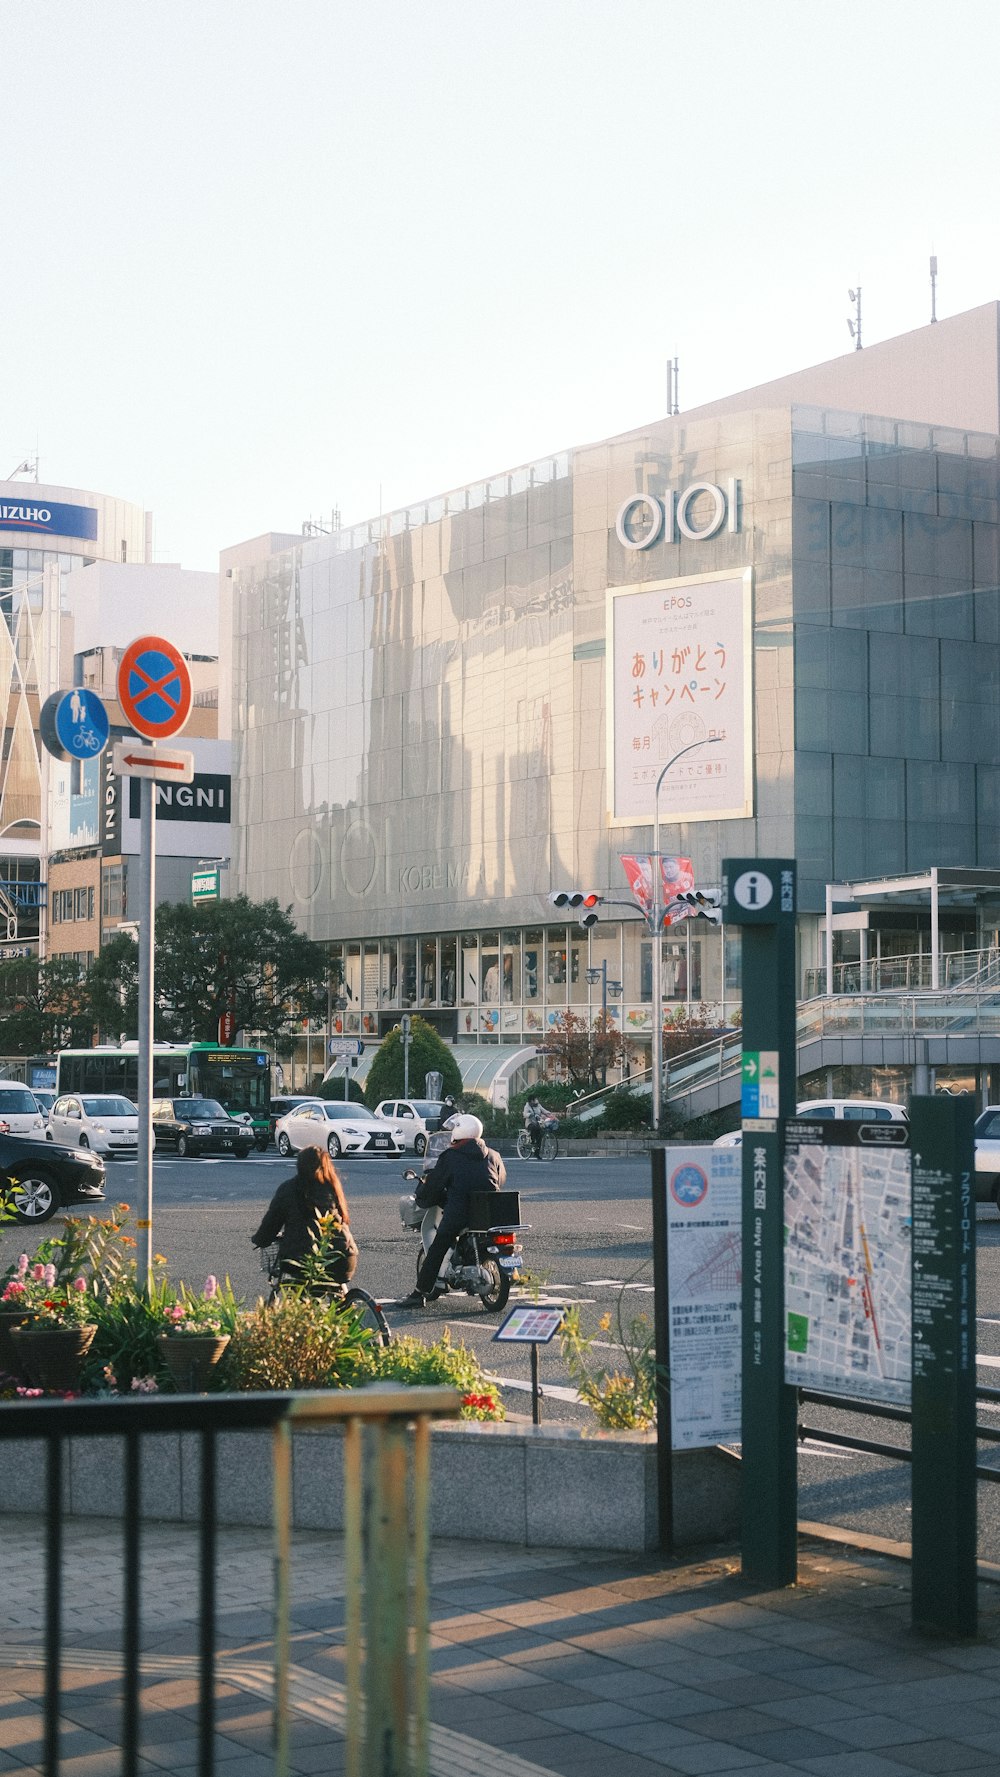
x=673 y=373
x=28 y=467
x=933 y=288
x=854 y=327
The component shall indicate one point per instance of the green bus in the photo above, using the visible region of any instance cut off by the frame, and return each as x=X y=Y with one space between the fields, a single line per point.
x=240 y=1079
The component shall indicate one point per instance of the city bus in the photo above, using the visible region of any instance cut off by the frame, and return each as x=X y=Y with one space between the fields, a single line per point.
x=240 y=1079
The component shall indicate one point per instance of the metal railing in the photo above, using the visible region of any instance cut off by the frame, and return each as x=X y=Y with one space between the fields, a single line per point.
x=989 y=1434
x=386 y=1451
x=909 y=973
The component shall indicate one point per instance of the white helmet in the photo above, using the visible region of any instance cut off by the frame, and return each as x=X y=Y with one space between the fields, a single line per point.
x=465 y=1129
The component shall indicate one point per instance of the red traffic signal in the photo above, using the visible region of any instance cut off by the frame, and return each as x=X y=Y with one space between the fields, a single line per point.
x=588 y=898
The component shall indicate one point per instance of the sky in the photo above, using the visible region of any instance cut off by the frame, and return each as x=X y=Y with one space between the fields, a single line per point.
x=264 y=258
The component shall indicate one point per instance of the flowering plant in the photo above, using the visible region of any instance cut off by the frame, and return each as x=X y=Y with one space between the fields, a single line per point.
x=202 y=1315
x=36 y=1290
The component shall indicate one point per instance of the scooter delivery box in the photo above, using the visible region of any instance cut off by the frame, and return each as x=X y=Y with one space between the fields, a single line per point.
x=495 y=1209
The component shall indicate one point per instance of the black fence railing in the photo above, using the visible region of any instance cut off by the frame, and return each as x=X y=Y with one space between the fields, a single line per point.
x=989 y=1434
x=387 y=1548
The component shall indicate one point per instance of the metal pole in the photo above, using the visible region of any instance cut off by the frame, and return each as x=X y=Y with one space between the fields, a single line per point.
x=147 y=905
x=655 y=921
x=661 y=1328
x=536 y=1393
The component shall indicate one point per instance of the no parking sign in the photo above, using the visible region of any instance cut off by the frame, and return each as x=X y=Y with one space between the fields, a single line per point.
x=154 y=687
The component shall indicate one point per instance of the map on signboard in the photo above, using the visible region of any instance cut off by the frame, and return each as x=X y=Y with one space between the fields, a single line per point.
x=704 y=1269
x=847 y=1259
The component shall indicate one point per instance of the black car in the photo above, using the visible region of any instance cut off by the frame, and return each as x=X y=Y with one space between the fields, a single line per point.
x=281 y=1106
x=199 y=1126
x=44 y=1176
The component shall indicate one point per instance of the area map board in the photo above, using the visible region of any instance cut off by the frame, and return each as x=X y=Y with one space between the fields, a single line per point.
x=704 y=1273
x=848 y=1259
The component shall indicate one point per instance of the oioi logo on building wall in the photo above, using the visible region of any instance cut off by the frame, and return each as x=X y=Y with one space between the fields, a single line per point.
x=669 y=516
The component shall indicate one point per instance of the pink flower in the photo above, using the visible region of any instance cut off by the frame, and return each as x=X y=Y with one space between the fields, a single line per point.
x=22 y=1265
x=176 y=1312
x=38 y=1273
x=211 y=1287
x=80 y=1283
x=50 y=1276
x=14 y=1289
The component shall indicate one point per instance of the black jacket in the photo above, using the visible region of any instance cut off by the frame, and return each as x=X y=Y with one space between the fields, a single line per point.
x=292 y=1220
x=462 y=1170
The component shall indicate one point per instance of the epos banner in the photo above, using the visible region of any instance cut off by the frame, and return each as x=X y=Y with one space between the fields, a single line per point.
x=679 y=671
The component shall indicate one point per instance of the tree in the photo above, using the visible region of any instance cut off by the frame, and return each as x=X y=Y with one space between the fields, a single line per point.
x=583 y=1053
x=236 y=956
x=428 y=1054
x=44 y=1006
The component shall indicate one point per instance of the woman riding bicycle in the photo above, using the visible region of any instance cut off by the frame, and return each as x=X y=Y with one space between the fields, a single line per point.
x=293 y=1218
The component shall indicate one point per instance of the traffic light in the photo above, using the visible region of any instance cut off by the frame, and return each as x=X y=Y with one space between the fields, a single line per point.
x=703 y=906
x=589 y=899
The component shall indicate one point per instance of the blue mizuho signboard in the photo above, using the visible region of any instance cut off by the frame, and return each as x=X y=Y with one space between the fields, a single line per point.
x=48 y=518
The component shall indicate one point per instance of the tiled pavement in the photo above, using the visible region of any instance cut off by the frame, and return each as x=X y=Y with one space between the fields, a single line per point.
x=542 y=1662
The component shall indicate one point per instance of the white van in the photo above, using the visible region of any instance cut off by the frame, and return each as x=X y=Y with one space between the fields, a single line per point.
x=853 y=1110
x=19 y=1112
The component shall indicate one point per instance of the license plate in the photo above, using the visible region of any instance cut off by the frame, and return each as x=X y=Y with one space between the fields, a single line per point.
x=380 y=1141
x=510 y=1264
x=226 y=1143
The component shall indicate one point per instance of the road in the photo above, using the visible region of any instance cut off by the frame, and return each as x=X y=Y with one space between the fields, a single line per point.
x=588 y=1240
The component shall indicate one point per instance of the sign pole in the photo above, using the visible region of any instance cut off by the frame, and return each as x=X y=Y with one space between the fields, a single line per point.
x=661 y=1333
x=943 y=1475
x=759 y=895
x=147 y=909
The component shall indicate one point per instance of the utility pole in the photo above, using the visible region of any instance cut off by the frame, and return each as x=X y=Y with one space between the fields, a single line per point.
x=854 y=327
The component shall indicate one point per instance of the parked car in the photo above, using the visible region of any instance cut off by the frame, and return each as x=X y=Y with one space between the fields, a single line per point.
x=851 y=1110
x=44 y=1099
x=987 y=1136
x=18 y=1111
x=280 y=1107
x=412 y=1119
x=102 y=1121
x=340 y=1128
x=45 y=1177
x=199 y=1126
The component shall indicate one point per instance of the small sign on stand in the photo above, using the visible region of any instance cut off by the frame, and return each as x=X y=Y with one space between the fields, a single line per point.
x=534 y=1326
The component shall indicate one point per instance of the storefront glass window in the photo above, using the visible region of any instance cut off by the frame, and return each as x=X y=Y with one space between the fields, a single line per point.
x=489 y=969
x=428 y=972
x=532 y=962
x=510 y=980
x=470 y=969
x=408 y=970
x=390 y=971
x=448 y=971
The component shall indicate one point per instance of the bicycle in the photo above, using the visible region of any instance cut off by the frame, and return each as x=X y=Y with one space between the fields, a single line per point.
x=86 y=740
x=547 y=1148
x=365 y=1307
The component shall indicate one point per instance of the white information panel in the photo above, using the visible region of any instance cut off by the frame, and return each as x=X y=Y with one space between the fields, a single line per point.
x=704 y=1270
x=679 y=672
x=847 y=1259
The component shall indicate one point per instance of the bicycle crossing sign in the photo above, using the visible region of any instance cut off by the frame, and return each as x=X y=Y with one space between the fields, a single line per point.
x=74 y=724
x=154 y=687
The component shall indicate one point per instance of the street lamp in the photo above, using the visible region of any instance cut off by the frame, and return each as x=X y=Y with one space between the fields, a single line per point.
x=607 y=987
x=656 y=921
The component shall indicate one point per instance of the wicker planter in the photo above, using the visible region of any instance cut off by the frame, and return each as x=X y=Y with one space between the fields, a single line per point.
x=51 y=1357
x=191 y=1358
x=9 y=1319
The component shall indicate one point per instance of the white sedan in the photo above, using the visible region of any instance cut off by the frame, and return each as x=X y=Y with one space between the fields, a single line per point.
x=411 y=1120
x=104 y=1122
x=340 y=1128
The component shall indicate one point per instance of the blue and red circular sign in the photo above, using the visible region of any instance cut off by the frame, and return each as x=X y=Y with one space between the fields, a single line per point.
x=154 y=687
x=688 y=1185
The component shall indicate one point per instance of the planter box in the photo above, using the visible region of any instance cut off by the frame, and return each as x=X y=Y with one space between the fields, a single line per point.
x=522 y=1486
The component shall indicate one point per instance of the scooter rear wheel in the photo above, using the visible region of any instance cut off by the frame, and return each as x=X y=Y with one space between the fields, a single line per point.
x=494 y=1299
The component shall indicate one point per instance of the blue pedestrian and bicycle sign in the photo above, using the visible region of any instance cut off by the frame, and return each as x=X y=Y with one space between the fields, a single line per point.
x=74 y=724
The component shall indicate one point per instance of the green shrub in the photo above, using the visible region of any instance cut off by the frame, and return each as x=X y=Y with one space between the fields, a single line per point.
x=299 y=1342
x=441 y=1365
x=625 y=1110
x=428 y=1054
x=335 y=1089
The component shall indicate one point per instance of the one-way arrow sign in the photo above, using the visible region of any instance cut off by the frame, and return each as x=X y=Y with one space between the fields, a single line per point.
x=163 y=765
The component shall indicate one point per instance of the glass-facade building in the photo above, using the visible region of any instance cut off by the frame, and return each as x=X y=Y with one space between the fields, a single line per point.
x=421 y=745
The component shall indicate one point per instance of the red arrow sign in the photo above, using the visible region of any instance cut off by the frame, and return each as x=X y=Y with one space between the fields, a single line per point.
x=150 y=759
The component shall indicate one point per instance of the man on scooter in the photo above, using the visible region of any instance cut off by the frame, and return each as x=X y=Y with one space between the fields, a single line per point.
x=465 y=1167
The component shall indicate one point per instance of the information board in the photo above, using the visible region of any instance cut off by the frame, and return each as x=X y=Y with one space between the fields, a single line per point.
x=704 y=1272
x=847 y=1258
x=530 y=1326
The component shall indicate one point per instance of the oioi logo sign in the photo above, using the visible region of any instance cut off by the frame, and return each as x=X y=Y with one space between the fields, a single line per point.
x=669 y=517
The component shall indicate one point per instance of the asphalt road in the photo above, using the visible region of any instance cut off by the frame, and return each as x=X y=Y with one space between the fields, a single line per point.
x=587 y=1240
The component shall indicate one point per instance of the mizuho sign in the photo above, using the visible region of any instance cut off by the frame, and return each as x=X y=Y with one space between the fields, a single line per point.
x=669 y=517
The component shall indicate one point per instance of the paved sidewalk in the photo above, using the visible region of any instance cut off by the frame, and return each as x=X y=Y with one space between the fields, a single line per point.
x=543 y=1662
